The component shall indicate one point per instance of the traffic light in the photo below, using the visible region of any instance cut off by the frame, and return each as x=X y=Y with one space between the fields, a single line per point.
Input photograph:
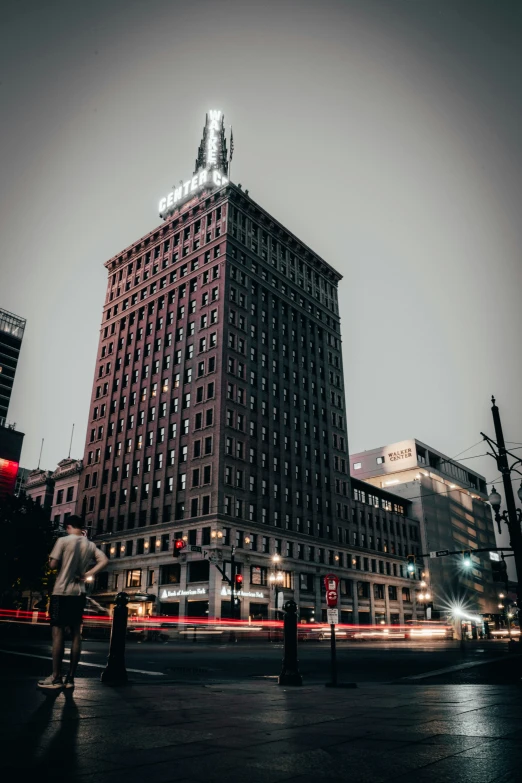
x=466 y=560
x=179 y=546
x=411 y=564
x=238 y=580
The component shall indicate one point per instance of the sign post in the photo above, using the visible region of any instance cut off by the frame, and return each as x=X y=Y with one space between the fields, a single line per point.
x=331 y=583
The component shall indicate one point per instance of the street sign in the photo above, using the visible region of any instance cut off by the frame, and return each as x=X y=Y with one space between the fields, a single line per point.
x=195 y=549
x=332 y=616
x=280 y=599
x=439 y=553
x=331 y=583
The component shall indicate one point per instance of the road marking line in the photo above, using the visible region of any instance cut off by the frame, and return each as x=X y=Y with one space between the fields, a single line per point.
x=81 y=663
x=456 y=668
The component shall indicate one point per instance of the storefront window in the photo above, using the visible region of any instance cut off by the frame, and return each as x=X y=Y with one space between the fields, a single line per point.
x=259 y=611
x=306 y=614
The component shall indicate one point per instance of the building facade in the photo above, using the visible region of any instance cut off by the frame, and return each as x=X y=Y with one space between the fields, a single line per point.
x=21 y=478
x=218 y=416
x=10 y=450
x=11 y=335
x=451 y=502
x=39 y=486
x=66 y=480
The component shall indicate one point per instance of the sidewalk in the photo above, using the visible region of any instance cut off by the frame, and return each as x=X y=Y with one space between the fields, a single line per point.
x=261 y=733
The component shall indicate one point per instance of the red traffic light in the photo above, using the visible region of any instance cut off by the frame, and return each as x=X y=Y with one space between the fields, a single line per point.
x=239 y=579
x=179 y=544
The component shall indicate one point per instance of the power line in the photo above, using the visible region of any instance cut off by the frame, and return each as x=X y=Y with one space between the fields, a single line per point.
x=468 y=449
x=485 y=454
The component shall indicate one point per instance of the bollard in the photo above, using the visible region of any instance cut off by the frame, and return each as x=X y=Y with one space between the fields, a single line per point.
x=115 y=672
x=290 y=672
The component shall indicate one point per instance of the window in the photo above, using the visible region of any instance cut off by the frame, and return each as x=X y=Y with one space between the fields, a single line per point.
x=306 y=583
x=258 y=575
x=380 y=460
x=198 y=571
x=170 y=574
x=133 y=578
x=357 y=465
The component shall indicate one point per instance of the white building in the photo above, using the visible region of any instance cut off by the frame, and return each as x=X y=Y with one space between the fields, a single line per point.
x=450 y=501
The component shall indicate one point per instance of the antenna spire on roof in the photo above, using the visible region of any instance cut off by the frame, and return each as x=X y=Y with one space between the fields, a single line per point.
x=212 y=152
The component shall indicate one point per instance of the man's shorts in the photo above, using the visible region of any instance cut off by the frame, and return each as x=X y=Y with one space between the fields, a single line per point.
x=66 y=610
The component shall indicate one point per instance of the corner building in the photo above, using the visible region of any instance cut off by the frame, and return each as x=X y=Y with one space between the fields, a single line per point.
x=218 y=416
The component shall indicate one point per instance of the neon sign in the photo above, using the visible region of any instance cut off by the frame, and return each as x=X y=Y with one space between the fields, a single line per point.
x=193 y=185
x=210 y=165
x=212 y=141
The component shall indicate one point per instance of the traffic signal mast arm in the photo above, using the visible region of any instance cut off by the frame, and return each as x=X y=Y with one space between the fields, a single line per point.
x=223 y=574
x=445 y=552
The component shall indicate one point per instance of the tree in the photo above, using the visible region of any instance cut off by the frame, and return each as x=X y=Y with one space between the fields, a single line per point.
x=26 y=540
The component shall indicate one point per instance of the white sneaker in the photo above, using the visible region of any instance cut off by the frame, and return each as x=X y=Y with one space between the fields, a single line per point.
x=68 y=683
x=50 y=684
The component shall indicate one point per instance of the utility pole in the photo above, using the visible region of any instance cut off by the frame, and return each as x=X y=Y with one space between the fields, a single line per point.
x=515 y=534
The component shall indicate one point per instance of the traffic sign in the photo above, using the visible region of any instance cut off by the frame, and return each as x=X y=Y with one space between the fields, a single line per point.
x=332 y=616
x=439 y=553
x=331 y=583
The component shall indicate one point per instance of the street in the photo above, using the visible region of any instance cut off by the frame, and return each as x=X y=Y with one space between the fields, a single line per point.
x=363 y=662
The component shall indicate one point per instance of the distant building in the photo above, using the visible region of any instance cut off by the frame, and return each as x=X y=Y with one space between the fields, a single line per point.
x=11 y=334
x=21 y=478
x=39 y=486
x=450 y=501
x=10 y=450
x=66 y=479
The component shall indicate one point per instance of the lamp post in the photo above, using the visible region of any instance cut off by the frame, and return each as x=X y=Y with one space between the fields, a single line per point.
x=424 y=598
x=276 y=579
x=495 y=501
x=511 y=516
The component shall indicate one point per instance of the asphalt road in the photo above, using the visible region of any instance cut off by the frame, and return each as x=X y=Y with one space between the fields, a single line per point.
x=361 y=662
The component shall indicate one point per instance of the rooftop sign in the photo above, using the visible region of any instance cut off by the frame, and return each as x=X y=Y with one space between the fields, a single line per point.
x=193 y=185
x=211 y=165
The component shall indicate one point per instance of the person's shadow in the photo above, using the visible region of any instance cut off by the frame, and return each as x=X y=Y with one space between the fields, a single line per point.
x=61 y=754
x=57 y=754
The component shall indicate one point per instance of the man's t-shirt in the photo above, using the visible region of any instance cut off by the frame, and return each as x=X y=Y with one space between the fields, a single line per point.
x=75 y=554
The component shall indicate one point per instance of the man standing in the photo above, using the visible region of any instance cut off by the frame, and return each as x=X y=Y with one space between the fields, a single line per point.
x=74 y=554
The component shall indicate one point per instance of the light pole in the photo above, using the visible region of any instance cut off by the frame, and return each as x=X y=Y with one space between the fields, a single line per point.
x=276 y=579
x=424 y=598
x=507 y=615
x=495 y=500
x=511 y=516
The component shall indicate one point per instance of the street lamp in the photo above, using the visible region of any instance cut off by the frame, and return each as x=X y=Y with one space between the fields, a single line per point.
x=276 y=578
x=424 y=598
x=496 y=501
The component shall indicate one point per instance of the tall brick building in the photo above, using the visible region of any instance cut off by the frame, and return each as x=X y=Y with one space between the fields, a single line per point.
x=218 y=416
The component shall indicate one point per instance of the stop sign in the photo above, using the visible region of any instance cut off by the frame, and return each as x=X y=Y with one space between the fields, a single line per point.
x=331 y=583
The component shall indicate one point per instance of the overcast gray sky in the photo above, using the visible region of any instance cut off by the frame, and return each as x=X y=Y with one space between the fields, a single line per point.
x=384 y=133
